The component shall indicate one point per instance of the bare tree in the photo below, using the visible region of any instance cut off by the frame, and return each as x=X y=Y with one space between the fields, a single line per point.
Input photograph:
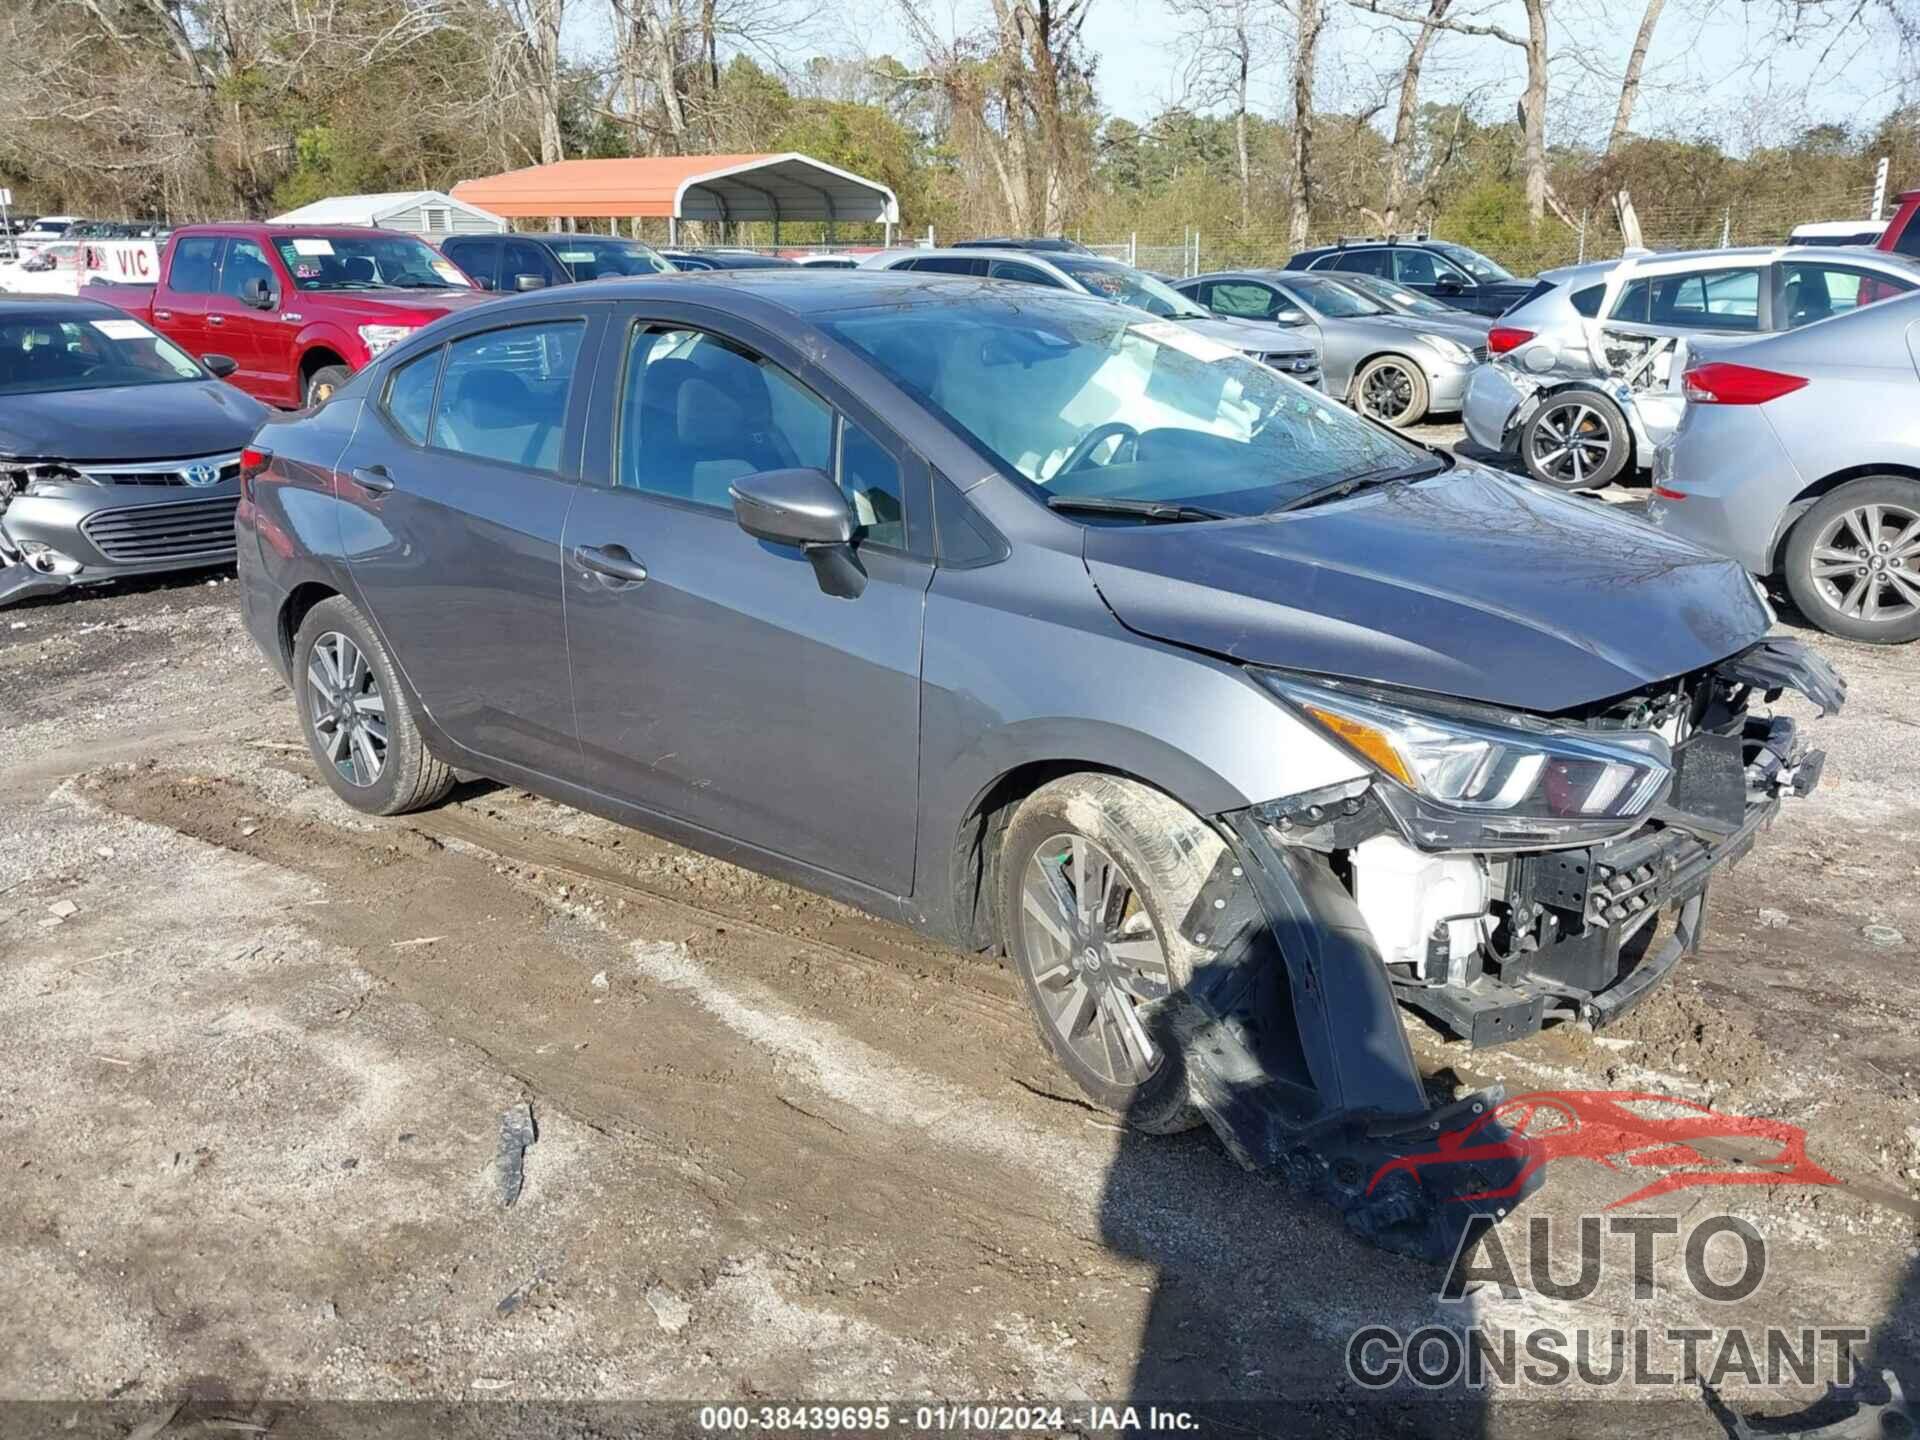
x=1310 y=20
x=1630 y=83
x=1226 y=41
x=1406 y=117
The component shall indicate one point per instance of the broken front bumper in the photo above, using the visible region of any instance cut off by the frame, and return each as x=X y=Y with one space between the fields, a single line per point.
x=58 y=535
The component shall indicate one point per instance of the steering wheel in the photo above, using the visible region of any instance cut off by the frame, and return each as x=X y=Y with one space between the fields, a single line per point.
x=1092 y=441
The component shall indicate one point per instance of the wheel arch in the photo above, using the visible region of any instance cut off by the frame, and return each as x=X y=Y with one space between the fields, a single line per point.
x=1816 y=491
x=294 y=610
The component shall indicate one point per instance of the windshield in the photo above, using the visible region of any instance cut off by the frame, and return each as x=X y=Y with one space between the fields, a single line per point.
x=1084 y=400
x=1332 y=299
x=1474 y=263
x=366 y=262
x=594 y=257
x=41 y=353
x=1406 y=302
x=1114 y=281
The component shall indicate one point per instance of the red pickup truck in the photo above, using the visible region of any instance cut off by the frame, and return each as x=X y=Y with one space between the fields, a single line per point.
x=298 y=308
x=1902 y=235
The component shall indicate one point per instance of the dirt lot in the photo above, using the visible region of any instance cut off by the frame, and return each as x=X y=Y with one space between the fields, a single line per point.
x=258 y=1050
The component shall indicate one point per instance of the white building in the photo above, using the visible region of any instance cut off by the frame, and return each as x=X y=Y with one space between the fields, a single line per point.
x=418 y=212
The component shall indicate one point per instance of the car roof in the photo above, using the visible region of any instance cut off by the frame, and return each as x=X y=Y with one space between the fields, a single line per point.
x=63 y=306
x=568 y=235
x=1683 y=260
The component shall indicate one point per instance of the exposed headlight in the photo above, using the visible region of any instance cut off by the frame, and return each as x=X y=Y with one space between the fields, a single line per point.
x=1460 y=783
x=31 y=477
x=380 y=337
x=1449 y=349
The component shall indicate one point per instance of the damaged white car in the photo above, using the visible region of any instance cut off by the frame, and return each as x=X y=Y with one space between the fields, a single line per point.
x=1583 y=379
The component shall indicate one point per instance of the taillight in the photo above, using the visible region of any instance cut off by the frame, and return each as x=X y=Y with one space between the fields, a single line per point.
x=253 y=460
x=1502 y=338
x=1719 y=382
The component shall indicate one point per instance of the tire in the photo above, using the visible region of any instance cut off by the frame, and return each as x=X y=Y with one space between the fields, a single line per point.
x=1394 y=379
x=1604 y=444
x=405 y=776
x=1873 y=596
x=324 y=381
x=1161 y=854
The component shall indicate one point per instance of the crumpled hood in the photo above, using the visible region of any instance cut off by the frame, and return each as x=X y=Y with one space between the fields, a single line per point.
x=129 y=422
x=1471 y=584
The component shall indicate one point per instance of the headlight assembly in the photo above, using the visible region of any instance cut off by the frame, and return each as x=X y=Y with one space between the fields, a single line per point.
x=1457 y=783
x=381 y=337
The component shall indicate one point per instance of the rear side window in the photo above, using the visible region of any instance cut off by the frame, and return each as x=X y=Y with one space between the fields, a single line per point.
x=1703 y=300
x=1810 y=292
x=1586 y=302
x=1026 y=274
x=1364 y=262
x=1242 y=300
x=194 y=263
x=410 y=395
x=950 y=265
x=1907 y=242
x=505 y=394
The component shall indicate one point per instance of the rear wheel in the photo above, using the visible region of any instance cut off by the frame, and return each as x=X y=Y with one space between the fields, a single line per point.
x=1576 y=440
x=1095 y=875
x=1391 y=389
x=1853 y=561
x=356 y=718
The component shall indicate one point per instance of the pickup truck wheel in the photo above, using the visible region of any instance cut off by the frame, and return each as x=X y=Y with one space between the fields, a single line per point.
x=1392 y=390
x=1576 y=440
x=324 y=381
x=1095 y=874
x=356 y=718
x=1853 y=561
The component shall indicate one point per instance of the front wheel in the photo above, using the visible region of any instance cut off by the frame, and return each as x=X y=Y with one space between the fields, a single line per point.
x=324 y=381
x=1095 y=875
x=1576 y=440
x=1391 y=389
x=1853 y=561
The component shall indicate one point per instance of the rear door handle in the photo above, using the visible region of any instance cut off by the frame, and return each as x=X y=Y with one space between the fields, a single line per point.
x=374 y=478
x=216 y=319
x=612 y=561
x=163 y=314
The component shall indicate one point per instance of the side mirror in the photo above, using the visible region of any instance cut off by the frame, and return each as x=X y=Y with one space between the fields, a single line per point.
x=1290 y=315
x=529 y=282
x=804 y=508
x=220 y=366
x=1448 y=285
x=257 y=293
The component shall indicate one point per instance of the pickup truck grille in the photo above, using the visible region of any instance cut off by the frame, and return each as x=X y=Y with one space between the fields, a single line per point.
x=166 y=472
x=192 y=529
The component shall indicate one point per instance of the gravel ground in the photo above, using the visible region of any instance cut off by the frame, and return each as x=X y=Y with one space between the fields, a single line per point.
x=260 y=1049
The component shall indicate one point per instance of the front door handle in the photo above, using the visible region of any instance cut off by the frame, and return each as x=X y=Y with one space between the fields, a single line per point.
x=374 y=478
x=612 y=561
x=163 y=314
x=216 y=319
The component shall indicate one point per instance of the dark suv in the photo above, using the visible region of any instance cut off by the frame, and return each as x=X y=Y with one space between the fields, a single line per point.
x=533 y=262
x=1460 y=276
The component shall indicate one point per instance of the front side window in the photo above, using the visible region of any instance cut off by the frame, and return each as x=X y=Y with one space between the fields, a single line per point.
x=1475 y=264
x=871 y=479
x=1243 y=300
x=1025 y=274
x=366 y=262
x=479 y=258
x=410 y=395
x=245 y=261
x=1423 y=267
x=194 y=262
x=1330 y=298
x=39 y=354
x=1084 y=399
x=698 y=413
x=1114 y=281
x=1811 y=292
x=504 y=396
x=595 y=257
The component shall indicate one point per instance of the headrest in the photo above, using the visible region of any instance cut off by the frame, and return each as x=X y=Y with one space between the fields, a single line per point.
x=707 y=418
x=492 y=399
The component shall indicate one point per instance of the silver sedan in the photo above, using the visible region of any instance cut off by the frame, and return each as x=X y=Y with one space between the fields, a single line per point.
x=1797 y=456
x=1382 y=364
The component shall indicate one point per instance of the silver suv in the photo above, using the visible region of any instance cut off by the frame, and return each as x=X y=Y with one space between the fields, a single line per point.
x=1584 y=379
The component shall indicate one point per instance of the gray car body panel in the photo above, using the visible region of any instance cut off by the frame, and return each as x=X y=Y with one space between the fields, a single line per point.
x=1347 y=345
x=1750 y=471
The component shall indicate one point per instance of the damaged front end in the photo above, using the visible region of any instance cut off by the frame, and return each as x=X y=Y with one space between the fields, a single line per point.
x=25 y=573
x=1494 y=872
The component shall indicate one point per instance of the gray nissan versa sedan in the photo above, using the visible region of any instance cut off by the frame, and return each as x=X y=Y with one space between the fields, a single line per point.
x=1038 y=624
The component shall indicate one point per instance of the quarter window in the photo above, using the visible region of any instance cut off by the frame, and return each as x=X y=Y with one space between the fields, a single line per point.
x=699 y=413
x=410 y=395
x=505 y=394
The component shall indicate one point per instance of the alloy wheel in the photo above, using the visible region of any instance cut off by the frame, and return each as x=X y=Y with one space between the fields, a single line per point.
x=348 y=709
x=1387 y=393
x=1866 y=563
x=1094 y=955
x=1571 y=443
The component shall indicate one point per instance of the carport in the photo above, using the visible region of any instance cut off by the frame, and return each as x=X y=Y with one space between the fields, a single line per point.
x=722 y=188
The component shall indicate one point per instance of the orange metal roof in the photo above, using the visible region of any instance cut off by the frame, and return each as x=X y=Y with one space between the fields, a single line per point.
x=686 y=187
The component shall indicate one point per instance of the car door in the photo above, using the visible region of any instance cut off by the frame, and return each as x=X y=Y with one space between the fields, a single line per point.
x=462 y=475
x=714 y=680
x=180 y=306
x=1641 y=339
x=258 y=340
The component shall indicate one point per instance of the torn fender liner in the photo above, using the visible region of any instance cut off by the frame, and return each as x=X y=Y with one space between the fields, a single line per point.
x=1779 y=664
x=1295 y=1054
x=23 y=582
